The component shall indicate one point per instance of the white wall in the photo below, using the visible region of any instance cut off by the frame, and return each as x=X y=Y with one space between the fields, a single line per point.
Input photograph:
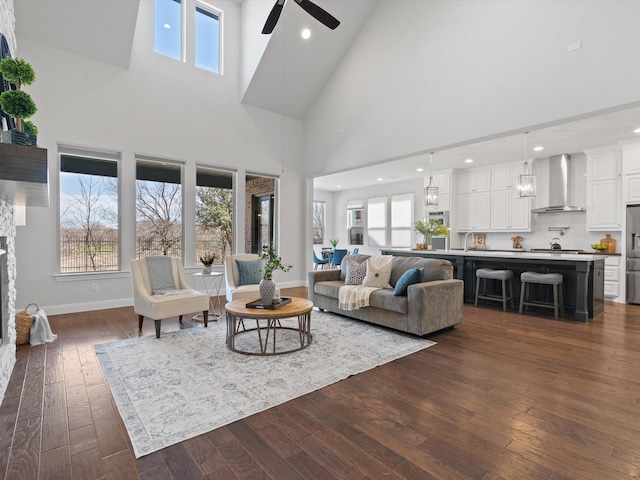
x=158 y=107
x=425 y=75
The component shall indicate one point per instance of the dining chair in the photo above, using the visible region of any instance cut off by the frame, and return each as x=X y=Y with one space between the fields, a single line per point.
x=338 y=255
x=319 y=262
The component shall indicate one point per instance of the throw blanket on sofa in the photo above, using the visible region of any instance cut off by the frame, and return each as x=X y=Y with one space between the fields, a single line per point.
x=352 y=297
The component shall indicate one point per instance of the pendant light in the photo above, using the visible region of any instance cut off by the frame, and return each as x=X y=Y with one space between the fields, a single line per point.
x=526 y=181
x=431 y=192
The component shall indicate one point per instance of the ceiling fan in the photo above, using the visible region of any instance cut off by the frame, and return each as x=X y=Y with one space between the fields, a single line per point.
x=311 y=8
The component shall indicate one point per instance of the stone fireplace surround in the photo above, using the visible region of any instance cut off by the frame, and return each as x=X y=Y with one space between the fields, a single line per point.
x=8 y=310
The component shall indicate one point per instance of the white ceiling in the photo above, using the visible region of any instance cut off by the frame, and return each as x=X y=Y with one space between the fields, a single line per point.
x=291 y=86
x=567 y=137
x=98 y=29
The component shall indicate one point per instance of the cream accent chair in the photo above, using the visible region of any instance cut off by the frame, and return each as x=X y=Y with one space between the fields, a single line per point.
x=157 y=307
x=231 y=276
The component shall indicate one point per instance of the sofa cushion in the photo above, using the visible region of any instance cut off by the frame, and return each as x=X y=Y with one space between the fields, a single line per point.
x=355 y=272
x=248 y=273
x=411 y=276
x=378 y=271
x=434 y=268
x=328 y=288
x=385 y=300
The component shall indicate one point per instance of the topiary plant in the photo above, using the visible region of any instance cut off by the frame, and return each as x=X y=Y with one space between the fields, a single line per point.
x=17 y=103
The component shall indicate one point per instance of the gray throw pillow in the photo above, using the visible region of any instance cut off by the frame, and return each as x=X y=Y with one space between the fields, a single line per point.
x=248 y=273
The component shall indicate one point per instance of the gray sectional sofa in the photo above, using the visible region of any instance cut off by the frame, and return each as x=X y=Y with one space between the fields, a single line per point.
x=432 y=305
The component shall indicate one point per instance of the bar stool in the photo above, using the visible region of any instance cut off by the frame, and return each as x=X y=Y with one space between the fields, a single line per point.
x=554 y=279
x=503 y=275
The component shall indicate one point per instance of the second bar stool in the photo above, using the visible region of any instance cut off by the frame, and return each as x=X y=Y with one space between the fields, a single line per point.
x=553 y=279
x=505 y=276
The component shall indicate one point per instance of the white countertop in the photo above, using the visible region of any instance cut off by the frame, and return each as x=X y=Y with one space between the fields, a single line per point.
x=579 y=257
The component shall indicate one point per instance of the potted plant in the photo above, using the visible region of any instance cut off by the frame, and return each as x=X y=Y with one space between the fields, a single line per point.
x=272 y=262
x=334 y=242
x=207 y=260
x=18 y=103
x=430 y=228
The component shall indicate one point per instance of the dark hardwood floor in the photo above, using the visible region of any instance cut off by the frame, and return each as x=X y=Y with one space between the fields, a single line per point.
x=502 y=396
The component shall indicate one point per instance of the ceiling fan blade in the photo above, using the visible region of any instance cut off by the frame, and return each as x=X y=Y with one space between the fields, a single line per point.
x=319 y=14
x=273 y=17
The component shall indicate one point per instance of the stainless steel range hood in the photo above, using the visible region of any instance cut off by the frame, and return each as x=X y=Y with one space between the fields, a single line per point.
x=559 y=187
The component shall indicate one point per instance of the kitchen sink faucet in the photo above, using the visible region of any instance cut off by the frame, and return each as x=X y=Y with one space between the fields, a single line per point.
x=464 y=247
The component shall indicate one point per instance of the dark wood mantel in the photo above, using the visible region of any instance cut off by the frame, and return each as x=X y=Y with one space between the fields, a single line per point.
x=24 y=175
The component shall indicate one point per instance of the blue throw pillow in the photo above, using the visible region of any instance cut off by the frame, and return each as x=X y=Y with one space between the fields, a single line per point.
x=248 y=271
x=411 y=276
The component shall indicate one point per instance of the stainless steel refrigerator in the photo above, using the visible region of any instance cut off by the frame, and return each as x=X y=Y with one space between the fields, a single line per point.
x=633 y=254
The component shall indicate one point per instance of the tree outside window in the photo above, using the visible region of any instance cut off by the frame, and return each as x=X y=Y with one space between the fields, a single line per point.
x=319 y=220
x=158 y=209
x=214 y=213
x=88 y=214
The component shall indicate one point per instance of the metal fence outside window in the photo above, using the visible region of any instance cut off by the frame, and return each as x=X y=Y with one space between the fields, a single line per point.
x=79 y=254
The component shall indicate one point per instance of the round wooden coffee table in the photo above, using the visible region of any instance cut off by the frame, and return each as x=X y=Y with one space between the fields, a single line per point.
x=268 y=324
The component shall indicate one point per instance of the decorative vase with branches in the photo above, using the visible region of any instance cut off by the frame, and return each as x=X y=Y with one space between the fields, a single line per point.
x=207 y=260
x=429 y=229
x=272 y=262
x=334 y=242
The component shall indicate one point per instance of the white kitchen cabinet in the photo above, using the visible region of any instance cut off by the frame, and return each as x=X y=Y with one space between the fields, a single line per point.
x=604 y=205
x=506 y=177
x=474 y=181
x=509 y=213
x=604 y=164
x=604 y=189
x=631 y=155
x=475 y=212
x=612 y=272
x=632 y=188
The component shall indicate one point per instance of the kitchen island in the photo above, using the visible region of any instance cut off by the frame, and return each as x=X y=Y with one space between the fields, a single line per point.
x=583 y=274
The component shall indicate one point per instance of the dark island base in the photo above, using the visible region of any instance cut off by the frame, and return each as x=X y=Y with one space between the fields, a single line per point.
x=583 y=281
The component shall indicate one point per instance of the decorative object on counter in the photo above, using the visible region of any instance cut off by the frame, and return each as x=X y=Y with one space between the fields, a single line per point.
x=526 y=181
x=516 y=241
x=479 y=241
x=17 y=103
x=267 y=285
x=610 y=243
x=431 y=192
x=599 y=248
x=429 y=229
x=334 y=242
x=207 y=260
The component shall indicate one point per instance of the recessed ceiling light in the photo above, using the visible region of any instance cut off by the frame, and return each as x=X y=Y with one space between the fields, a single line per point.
x=469 y=160
x=379 y=179
x=338 y=186
x=306 y=33
x=539 y=148
x=167 y=26
x=637 y=130
x=420 y=169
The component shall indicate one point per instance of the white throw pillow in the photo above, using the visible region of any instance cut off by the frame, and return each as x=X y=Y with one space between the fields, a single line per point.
x=378 y=271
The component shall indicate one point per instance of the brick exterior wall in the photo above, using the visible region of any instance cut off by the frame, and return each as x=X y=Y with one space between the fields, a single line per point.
x=254 y=188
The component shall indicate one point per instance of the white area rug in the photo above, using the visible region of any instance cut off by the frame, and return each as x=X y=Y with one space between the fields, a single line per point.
x=187 y=382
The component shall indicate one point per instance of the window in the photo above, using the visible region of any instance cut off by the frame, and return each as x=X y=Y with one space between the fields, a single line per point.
x=260 y=198
x=377 y=221
x=167 y=28
x=207 y=40
x=89 y=236
x=319 y=221
x=214 y=213
x=158 y=208
x=402 y=220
